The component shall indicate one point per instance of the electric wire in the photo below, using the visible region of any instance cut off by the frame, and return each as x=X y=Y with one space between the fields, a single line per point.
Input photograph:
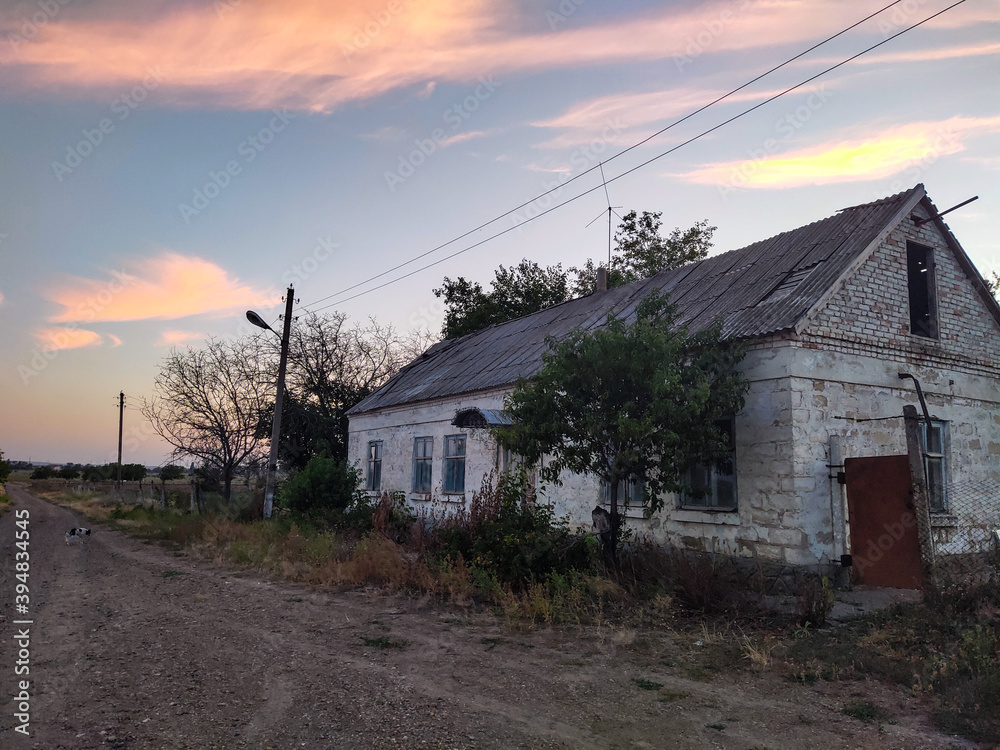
x=623 y=174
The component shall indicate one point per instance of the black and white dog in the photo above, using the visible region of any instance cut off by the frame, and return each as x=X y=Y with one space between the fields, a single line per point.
x=76 y=534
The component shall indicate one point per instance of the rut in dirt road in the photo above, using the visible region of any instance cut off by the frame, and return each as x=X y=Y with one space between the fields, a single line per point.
x=134 y=646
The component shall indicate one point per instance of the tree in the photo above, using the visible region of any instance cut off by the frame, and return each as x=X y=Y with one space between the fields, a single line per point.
x=5 y=468
x=325 y=484
x=207 y=403
x=640 y=252
x=516 y=291
x=626 y=401
x=133 y=472
x=43 y=472
x=993 y=284
x=332 y=366
x=68 y=472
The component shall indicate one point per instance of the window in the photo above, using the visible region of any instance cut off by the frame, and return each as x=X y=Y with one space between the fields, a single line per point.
x=374 y=479
x=630 y=493
x=714 y=486
x=423 y=453
x=934 y=436
x=920 y=280
x=454 y=463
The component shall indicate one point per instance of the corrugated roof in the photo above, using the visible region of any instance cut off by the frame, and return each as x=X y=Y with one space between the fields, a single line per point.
x=731 y=287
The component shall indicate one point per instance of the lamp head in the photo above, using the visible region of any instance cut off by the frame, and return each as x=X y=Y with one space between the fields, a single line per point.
x=258 y=321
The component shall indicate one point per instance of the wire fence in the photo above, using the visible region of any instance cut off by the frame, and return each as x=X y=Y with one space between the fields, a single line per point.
x=967 y=535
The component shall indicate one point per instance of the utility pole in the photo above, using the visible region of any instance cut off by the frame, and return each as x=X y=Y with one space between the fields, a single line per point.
x=272 y=461
x=121 y=421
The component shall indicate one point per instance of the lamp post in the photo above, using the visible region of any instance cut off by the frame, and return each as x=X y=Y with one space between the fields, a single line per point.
x=272 y=461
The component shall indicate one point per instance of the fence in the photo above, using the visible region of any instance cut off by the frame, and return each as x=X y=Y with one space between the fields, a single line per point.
x=966 y=536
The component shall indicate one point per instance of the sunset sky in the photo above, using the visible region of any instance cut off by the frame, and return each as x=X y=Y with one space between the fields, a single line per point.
x=168 y=164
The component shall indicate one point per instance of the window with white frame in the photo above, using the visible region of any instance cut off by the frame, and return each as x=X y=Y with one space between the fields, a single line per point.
x=934 y=437
x=714 y=485
x=453 y=479
x=423 y=456
x=373 y=481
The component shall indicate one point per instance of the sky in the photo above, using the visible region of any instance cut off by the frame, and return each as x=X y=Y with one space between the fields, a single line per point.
x=166 y=165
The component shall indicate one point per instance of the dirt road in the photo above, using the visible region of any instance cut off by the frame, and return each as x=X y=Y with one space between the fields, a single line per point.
x=132 y=646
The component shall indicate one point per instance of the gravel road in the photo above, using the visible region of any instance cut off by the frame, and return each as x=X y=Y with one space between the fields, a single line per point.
x=134 y=646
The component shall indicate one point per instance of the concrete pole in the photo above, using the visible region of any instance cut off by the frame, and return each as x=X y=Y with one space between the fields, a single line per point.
x=272 y=461
x=921 y=505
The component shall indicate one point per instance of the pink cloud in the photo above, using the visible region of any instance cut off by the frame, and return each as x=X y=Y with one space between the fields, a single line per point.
x=312 y=55
x=58 y=339
x=166 y=287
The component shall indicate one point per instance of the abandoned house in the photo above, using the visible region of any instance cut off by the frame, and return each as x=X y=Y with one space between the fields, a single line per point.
x=833 y=313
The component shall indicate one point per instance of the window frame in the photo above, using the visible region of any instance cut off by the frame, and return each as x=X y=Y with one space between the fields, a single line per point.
x=628 y=490
x=373 y=478
x=449 y=485
x=937 y=494
x=921 y=286
x=423 y=464
x=687 y=501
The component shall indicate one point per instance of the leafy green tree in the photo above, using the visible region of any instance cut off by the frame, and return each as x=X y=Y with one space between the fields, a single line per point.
x=5 y=468
x=516 y=291
x=171 y=473
x=993 y=284
x=325 y=484
x=133 y=472
x=626 y=401
x=640 y=252
x=68 y=472
x=43 y=472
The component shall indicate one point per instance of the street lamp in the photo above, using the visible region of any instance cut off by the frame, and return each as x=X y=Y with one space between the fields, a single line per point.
x=272 y=461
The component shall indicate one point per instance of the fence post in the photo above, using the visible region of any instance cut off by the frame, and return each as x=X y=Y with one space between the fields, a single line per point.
x=918 y=478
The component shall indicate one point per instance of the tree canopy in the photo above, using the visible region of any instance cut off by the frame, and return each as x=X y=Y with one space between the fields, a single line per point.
x=630 y=400
x=5 y=468
x=207 y=403
x=640 y=252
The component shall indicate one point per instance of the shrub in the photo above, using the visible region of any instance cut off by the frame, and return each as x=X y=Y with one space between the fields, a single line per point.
x=325 y=484
x=43 y=472
x=516 y=541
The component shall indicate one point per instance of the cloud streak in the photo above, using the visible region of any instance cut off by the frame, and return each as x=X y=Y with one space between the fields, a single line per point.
x=60 y=339
x=166 y=287
x=887 y=153
x=311 y=56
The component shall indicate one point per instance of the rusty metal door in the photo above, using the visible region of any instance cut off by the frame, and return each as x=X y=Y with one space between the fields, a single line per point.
x=885 y=546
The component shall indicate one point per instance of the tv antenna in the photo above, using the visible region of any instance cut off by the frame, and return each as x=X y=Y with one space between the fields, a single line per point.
x=610 y=210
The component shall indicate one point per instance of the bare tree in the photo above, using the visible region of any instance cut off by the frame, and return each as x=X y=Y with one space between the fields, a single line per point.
x=207 y=403
x=332 y=366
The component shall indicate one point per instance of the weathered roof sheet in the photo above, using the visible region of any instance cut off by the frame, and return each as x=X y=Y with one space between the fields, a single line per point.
x=476 y=417
x=751 y=290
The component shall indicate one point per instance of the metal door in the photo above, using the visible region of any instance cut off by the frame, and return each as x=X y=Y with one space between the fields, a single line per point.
x=885 y=546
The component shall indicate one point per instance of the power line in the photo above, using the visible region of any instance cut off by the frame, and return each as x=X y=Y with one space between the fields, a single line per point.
x=626 y=172
x=612 y=158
